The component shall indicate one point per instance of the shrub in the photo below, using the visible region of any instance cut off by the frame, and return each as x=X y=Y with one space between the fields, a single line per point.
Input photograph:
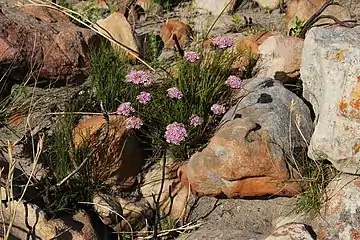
x=178 y=112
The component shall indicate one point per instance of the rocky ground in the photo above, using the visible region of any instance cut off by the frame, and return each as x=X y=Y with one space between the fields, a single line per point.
x=282 y=164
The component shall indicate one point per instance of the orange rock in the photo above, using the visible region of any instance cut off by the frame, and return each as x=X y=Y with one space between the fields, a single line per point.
x=238 y=162
x=119 y=159
x=172 y=27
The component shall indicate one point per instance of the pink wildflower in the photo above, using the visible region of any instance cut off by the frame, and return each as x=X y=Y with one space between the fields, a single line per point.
x=174 y=93
x=125 y=109
x=223 y=42
x=138 y=78
x=195 y=120
x=175 y=133
x=133 y=123
x=144 y=97
x=234 y=82
x=218 y=109
x=191 y=56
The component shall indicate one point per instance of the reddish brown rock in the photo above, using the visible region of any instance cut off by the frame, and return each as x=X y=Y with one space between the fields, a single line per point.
x=180 y=29
x=119 y=159
x=42 y=38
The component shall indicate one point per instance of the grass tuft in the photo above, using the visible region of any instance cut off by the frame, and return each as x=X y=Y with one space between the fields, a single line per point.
x=315 y=176
x=107 y=74
x=63 y=158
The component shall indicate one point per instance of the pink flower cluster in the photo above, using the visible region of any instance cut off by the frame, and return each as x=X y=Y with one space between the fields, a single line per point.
x=125 y=109
x=174 y=93
x=223 y=42
x=234 y=82
x=138 y=78
x=191 y=56
x=133 y=123
x=218 y=109
x=144 y=97
x=175 y=133
x=195 y=120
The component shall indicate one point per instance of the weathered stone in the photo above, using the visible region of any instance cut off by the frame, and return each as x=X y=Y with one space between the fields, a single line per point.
x=108 y=207
x=28 y=116
x=268 y=4
x=215 y=7
x=330 y=71
x=304 y=9
x=39 y=38
x=119 y=159
x=291 y=231
x=178 y=28
x=93 y=11
x=174 y=193
x=339 y=217
x=149 y=6
x=138 y=9
x=77 y=227
x=248 y=48
x=235 y=219
x=246 y=156
x=280 y=56
x=117 y=27
x=202 y=22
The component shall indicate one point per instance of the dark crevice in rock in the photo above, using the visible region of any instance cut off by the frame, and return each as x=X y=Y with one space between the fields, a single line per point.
x=265 y=98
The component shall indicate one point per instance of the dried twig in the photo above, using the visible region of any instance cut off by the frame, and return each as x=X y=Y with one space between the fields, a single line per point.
x=184 y=228
x=157 y=202
x=317 y=16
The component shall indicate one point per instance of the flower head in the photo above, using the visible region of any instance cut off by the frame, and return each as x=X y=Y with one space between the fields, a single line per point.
x=234 y=82
x=174 y=93
x=144 y=97
x=191 y=56
x=195 y=120
x=175 y=133
x=133 y=123
x=138 y=78
x=125 y=109
x=223 y=42
x=218 y=109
